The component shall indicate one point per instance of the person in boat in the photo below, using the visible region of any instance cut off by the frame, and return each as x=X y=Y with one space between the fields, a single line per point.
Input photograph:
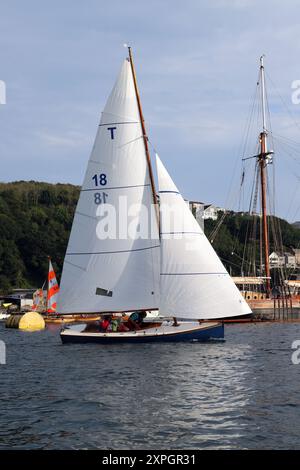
x=105 y=324
x=136 y=319
x=117 y=325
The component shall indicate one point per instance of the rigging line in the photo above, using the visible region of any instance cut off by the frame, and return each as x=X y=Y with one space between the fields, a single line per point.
x=230 y=262
x=288 y=152
x=254 y=205
x=237 y=236
x=238 y=256
x=152 y=146
x=244 y=260
x=253 y=187
x=286 y=138
x=241 y=150
x=284 y=103
x=247 y=127
x=293 y=271
x=241 y=192
x=290 y=169
x=215 y=231
x=293 y=198
x=277 y=240
x=242 y=146
x=295 y=213
x=292 y=145
x=212 y=236
x=247 y=247
x=255 y=219
x=273 y=157
x=250 y=116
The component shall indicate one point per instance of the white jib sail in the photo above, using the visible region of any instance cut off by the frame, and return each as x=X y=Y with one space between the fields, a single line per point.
x=194 y=284
x=113 y=266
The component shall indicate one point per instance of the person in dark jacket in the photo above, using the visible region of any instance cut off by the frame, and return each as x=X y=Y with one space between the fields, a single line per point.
x=136 y=319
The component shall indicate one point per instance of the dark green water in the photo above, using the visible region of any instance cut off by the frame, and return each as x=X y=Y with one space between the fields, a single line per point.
x=244 y=393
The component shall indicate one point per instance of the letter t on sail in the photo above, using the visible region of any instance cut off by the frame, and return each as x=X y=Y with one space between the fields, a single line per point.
x=112 y=129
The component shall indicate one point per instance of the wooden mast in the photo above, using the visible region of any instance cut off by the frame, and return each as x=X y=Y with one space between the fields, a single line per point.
x=145 y=137
x=263 y=160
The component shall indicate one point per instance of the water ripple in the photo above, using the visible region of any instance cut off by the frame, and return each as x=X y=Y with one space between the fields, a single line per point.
x=243 y=393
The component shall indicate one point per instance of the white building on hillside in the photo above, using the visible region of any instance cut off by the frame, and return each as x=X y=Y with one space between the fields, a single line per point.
x=211 y=211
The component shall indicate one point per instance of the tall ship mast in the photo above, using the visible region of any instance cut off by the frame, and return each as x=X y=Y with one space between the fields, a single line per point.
x=263 y=159
x=261 y=284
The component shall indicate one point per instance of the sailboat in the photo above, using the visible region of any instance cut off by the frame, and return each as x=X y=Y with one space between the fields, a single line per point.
x=173 y=270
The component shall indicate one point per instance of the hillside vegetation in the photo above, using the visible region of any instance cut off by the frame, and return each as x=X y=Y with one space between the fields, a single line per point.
x=36 y=218
x=35 y=221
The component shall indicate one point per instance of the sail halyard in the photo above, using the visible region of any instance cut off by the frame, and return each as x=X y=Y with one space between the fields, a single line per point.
x=118 y=272
x=193 y=281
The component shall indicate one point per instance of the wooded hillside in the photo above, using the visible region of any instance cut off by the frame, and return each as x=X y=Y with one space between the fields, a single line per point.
x=35 y=221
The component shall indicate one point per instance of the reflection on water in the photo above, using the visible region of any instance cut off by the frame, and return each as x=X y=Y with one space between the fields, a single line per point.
x=243 y=393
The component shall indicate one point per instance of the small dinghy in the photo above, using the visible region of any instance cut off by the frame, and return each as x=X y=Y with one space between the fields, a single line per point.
x=126 y=253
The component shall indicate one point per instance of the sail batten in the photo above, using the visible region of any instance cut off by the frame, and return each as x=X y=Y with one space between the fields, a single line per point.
x=193 y=274
x=113 y=252
x=117 y=172
x=194 y=284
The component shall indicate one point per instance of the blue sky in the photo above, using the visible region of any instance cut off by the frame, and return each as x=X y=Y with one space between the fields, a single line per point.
x=197 y=65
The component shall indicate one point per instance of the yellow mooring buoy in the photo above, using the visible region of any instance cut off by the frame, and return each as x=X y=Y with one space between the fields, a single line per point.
x=32 y=321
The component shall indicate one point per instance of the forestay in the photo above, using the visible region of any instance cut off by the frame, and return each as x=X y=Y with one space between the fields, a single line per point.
x=194 y=284
x=120 y=272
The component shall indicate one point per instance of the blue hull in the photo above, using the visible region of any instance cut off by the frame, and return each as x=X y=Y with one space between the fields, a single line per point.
x=205 y=334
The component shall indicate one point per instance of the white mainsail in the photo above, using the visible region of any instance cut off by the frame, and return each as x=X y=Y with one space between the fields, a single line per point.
x=121 y=272
x=194 y=284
